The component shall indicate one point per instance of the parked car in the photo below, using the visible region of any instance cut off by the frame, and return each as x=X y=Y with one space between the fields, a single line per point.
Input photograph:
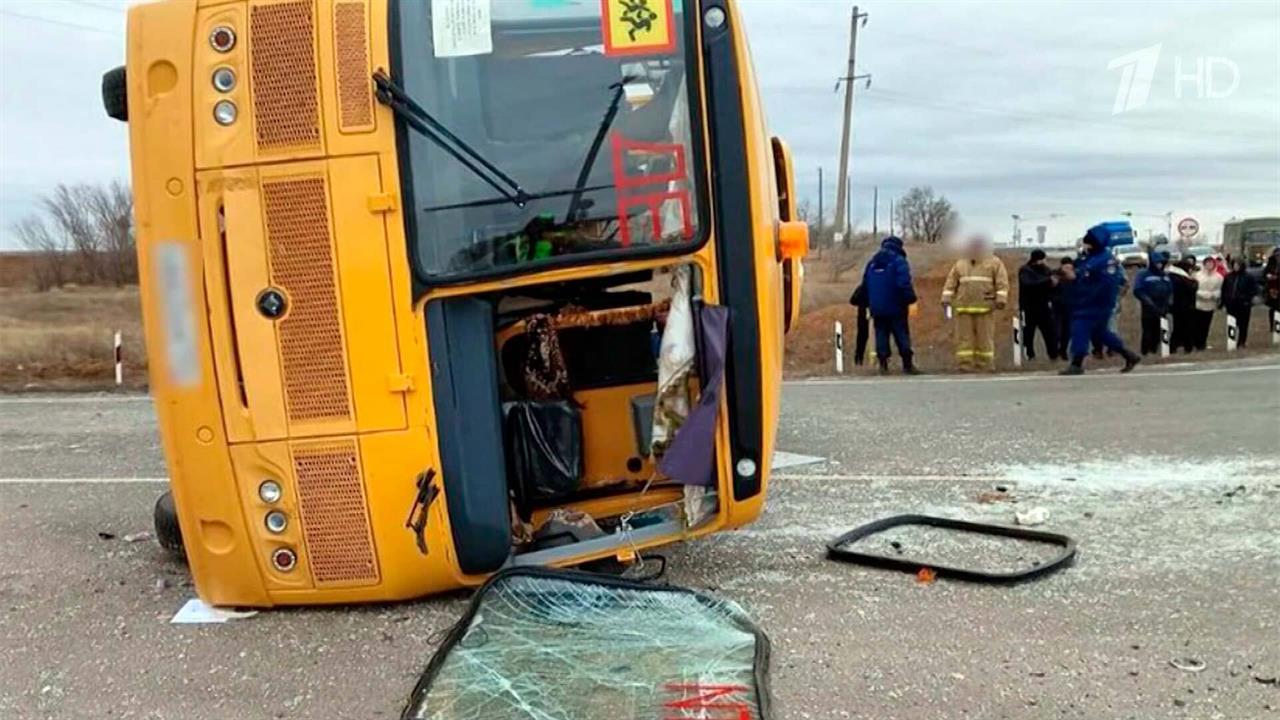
x=1199 y=252
x=1131 y=255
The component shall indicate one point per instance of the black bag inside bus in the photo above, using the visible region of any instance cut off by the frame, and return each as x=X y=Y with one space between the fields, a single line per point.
x=544 y=451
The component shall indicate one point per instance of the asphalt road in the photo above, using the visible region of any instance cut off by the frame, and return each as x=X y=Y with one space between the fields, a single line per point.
x=1169 y=479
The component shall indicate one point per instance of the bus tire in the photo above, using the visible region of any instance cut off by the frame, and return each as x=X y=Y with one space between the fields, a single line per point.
x=168 y=534
x=115 y=94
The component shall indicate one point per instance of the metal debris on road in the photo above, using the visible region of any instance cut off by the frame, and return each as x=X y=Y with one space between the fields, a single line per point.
x=1190 y=665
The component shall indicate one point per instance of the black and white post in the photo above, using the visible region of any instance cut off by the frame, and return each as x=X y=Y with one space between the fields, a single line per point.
x=1275 y=327
x=1233 y=333
x=1017 y=340
x=839 y=348
x=1166 y=335
x=119 y=357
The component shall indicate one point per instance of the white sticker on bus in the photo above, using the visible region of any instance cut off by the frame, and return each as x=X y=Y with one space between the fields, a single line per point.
x=173 y=280
x=461 y=27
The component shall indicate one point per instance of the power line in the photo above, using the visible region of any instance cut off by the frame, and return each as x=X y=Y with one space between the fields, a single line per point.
x=98 y=6
x=59 y=23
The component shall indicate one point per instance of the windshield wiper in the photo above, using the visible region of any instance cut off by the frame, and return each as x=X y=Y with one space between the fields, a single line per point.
x=619 y=89
x=527 y=198
x=416 y=117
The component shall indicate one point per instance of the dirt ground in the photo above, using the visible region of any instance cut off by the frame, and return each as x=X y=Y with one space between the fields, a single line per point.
x=811 y=345
x=64 y=338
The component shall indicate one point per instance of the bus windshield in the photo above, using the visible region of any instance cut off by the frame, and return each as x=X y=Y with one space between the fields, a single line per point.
x=587 y=139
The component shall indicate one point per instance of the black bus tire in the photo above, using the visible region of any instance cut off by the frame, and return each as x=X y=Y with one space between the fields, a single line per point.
x=115 y=94
x=168 y=533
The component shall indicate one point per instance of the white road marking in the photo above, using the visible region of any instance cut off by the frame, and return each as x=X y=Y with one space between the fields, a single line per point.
x=1037 y=376
x=783 y=459
x=75 y=399
x=80 y=481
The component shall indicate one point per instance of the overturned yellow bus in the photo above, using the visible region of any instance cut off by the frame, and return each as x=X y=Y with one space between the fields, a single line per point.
x=437 y=287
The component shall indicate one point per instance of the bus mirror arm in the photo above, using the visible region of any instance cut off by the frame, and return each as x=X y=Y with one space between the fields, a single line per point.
x=417 y=520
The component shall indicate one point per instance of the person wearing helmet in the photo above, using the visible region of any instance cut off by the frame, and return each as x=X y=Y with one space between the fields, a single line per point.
x=1154 y=291
x=976 y=286
x=1099 y=278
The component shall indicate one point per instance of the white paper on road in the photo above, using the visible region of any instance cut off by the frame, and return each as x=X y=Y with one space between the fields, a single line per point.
x=461 y=27
x=196 y=612
x=782 y=459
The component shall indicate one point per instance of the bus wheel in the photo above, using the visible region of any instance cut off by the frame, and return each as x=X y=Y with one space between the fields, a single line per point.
x=115 y=94
x=167 y=532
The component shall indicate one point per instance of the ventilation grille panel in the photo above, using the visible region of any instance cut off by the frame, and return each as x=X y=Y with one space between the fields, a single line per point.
x=351 y=43
x=335 y=518
x=310 y=334
x=283 y=56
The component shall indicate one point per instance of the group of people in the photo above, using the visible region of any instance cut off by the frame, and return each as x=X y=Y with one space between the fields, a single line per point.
x=1190 y=296
x=1072 y=307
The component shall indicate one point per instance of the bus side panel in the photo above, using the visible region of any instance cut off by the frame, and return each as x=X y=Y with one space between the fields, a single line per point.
x=174 y=311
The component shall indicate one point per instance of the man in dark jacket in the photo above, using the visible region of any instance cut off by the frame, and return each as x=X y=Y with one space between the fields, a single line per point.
x=1035 y=291
x=1154 y=290
x=1099 y=278
x=887 y=280
x=1184 y=303
x=1064 y=277
x=1238 y=290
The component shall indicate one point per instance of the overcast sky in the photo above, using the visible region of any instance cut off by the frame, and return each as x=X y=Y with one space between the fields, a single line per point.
x=1004 y=107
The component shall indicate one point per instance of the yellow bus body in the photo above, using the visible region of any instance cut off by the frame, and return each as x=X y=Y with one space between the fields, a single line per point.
x=335 y=400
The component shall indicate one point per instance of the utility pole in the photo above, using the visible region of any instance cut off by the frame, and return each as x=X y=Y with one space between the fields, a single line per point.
x=848 y=213
x=875 y=212
x=850 y=77
x=890 y=216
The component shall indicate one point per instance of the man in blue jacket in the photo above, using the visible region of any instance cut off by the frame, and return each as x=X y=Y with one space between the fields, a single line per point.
x=1099 y=278
x=1154 y=289
x=890 y=293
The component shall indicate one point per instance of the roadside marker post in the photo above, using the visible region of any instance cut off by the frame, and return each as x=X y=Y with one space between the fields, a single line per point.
x=839 y=348
x=1233 y=334
x=1275 y=327
x=1017 y=340
x=119 y=356
x=1166 y=334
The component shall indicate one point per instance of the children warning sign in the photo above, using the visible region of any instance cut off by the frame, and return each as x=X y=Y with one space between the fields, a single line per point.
x=638 y=27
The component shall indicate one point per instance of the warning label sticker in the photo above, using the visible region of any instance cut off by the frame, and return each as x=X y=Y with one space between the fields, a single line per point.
x=638 y=27
x=461 y=27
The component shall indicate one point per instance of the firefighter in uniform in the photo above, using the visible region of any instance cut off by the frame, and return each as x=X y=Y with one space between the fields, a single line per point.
x=976 y=287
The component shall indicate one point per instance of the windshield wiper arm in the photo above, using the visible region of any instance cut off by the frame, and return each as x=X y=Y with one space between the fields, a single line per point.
x=619 y=89
x=416 y=117
x=527 y=197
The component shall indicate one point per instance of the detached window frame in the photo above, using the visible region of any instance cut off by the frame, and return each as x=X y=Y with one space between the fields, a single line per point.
x=407 y=19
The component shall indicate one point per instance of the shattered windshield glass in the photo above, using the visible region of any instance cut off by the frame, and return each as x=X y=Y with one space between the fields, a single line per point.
x=582 y=115
x=560 y=646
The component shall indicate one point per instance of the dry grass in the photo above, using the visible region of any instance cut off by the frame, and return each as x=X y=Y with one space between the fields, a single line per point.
x=63 y=338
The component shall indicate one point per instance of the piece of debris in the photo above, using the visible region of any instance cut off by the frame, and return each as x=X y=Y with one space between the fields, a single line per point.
x=1034 y=516
x=926 y=576
x=161 y=584
x=196 y=612
x=1267 y=680
x=986 y=497
x=1191 y=665
x=1068 y=479
x=897 y=546
x=1237 y=490
x=106 y=535
x=137 y=537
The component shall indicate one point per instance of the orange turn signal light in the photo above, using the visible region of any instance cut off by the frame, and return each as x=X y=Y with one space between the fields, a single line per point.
x=793 y=239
